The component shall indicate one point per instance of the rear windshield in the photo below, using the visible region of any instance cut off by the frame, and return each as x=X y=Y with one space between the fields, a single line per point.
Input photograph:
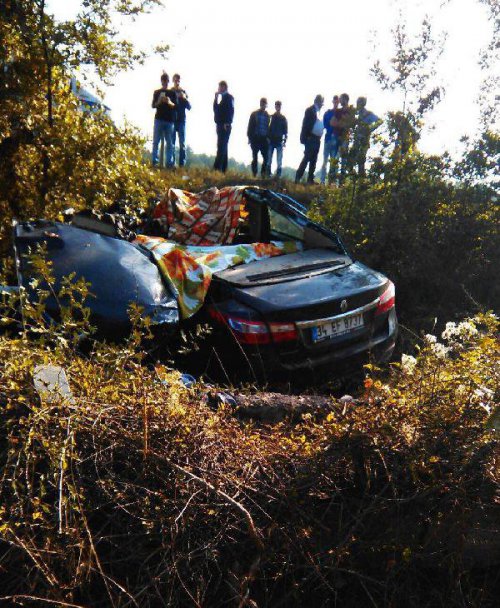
x=285 y=227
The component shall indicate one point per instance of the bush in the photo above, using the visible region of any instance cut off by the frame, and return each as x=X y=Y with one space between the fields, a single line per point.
x=89 y=163
x=136 y=492
x=436 y=239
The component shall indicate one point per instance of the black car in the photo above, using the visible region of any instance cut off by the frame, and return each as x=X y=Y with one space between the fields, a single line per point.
x=306 y=309
x=314 y=307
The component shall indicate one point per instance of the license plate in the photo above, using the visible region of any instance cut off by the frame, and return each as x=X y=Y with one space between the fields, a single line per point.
x=336 y=328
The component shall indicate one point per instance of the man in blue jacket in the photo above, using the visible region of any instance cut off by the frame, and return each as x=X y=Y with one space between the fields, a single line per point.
x=223 y=117
x=310 y=137
x=330 y=144
x=180 y=121
x=366 y=122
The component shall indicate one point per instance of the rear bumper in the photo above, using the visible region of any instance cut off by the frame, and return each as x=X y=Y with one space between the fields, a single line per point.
x=376 y=348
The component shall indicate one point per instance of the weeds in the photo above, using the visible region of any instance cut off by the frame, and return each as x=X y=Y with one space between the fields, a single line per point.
x=139 y=494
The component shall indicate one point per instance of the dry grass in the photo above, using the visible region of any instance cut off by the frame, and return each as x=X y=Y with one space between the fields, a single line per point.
x=139 y=494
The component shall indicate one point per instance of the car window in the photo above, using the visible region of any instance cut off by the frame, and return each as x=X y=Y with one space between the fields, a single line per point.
x=284 y=226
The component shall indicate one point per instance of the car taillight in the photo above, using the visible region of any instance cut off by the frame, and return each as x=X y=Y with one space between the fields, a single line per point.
x=249 y=332
x=283 y=332
x=256 y=332
x=387 y=299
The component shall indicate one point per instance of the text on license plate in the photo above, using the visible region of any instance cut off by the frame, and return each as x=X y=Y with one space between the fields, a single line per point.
x=335 y=328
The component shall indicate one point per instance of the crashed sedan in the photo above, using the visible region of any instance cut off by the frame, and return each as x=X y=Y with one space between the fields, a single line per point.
x=281 y=287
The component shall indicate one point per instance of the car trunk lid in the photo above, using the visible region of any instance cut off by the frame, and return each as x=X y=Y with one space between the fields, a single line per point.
x=271 y=271
x=303 y=286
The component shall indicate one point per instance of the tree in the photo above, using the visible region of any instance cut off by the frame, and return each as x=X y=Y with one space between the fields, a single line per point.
x=51 y=154
x=411 y=71
x=481 y=157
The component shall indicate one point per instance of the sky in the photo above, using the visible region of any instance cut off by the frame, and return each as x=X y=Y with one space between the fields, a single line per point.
x=289 y=50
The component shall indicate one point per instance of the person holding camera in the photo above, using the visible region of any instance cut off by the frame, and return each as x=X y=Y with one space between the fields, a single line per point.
x=164 y=101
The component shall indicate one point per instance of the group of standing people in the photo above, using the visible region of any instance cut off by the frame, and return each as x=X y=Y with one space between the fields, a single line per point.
x=347 y=132
x=171 y=105
x=344 y=129
x=267 y=134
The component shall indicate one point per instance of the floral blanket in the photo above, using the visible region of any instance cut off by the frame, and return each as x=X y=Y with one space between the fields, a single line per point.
x=189 y=269
x=208 y=218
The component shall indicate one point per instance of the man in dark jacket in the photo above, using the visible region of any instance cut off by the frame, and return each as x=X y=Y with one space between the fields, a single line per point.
x=310 y=137
x=223 y=117
x=258 y=136
x=278 y=134
x=180 y=120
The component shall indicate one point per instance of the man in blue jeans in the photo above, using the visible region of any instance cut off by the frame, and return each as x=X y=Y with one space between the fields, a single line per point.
x=278 y=133
x=180 y=121
x=164 y=100
x=330 y=144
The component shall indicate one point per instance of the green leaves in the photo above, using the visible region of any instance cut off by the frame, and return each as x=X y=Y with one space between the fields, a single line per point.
x=411 y=72
x=53 y=155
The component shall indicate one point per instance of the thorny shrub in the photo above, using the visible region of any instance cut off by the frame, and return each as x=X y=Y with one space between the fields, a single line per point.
x=137 y=493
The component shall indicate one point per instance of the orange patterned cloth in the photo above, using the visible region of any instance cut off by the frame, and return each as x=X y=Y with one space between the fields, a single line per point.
x=189 y=270
x=204 y=219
